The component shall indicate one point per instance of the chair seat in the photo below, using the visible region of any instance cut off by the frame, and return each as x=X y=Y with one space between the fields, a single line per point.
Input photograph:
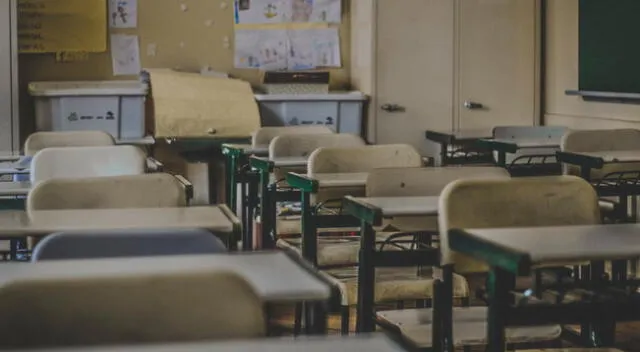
x=393 y=284
x=334 y=250
x=469 y=327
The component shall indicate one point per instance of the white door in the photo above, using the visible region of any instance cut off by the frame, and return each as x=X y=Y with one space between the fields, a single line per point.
x=497 y=62
x=414 y=67
x=8 y=78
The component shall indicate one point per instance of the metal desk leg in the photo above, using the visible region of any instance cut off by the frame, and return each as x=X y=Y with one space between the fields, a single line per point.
x=444 y=152
x=502 y=159
x=366 y=279
x=232 y=184
x=499 y=284
x=250 y=205
x=601 y=333
x=264 y=205
x=309 y=230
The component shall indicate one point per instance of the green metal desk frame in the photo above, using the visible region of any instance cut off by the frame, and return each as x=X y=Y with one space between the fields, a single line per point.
x=370 y=258
x=600 y=315
x=270 y=195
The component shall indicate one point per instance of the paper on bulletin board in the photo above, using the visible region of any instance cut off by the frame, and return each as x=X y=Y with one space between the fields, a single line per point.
x=261 y=49
x=274 y=49
x=313 y=48
x=193 y=105
x=123 y=13
x=125 y=54
x=283 y=11
x=52 y=26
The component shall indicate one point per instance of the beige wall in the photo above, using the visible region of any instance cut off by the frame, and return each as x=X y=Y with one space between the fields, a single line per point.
x=363 y=56
x=562 y=74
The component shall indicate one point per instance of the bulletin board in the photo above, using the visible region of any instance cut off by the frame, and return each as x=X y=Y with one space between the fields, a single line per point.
x=198 y=35
x=53 y=26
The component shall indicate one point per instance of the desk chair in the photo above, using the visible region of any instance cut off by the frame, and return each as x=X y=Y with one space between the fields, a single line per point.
x=302 y=145
x=41 y=140
x=130 y=191
x=82 y=162
x=601 y=140
x=605 y=140
x=127 y=243
x=529 y=158
x=402 y=283
x=126 y=309
x=265 y=135
x=541 y=201
x=295 y=145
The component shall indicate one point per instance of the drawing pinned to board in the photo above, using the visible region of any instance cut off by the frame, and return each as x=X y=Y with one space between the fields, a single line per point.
x=263 y=49
x=125 y=54
x=281 y=49
x=123 y=13
x=312 y=48
x=282 y=11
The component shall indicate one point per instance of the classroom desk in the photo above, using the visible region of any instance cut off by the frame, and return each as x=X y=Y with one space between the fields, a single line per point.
x=312 y=219
x=531 y=156
x=621 y=184
x=14 y=189
x=269 y=194
x=515 y=252
x=368 y=343
x=371 y=212
x=275 y=276
x=596 y=160
x=465 y=140
x=217 y=219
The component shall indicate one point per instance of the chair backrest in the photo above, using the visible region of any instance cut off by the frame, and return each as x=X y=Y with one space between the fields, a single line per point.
x=601 y=140
x=519 y=202
x=127 y=309
x=41 y=140
x=127 y=243
x=362 y=159
x=530 y=132
x=425 y=181
x=358 y=159
x=303 y=145
x=265 y=135
x=155 y=190
x=82 y=162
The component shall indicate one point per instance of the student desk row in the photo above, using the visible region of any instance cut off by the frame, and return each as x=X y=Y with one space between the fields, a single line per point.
x=217 y=219
x=533 y=148
x=369 y=343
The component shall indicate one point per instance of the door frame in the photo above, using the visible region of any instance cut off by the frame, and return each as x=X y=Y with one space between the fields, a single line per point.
x=372 y=113
x=13 y=119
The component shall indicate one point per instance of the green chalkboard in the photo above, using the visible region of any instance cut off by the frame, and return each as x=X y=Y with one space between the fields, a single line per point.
x=610 y=46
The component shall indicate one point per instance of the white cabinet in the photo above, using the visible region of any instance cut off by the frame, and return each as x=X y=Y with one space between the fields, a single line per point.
x=9 y=119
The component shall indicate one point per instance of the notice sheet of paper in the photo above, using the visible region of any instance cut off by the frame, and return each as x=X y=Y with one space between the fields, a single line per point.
x=125 y=54
x=123 y=13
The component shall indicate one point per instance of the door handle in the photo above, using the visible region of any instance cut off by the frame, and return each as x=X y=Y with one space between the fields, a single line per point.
x=473 y=105
x=393 y=108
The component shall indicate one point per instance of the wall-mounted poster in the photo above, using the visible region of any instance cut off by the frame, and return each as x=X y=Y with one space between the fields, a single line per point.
x=123 y=13
x=53 y=26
